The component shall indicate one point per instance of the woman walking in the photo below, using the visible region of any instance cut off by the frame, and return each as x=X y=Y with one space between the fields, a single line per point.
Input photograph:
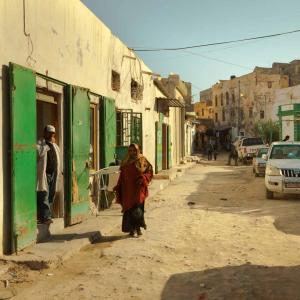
x=132 y=189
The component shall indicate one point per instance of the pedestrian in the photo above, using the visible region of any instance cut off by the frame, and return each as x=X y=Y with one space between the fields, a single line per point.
x=233 y=154
x=132 y=189
x=48 y=170
x=210 y=150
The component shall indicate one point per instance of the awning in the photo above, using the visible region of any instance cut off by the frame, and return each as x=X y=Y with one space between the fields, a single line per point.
x=169 y=102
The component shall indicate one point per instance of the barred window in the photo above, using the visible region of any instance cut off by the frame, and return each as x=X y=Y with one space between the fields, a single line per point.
x=115 y=81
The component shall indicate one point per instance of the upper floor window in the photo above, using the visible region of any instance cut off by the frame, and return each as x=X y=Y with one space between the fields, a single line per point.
x=222 y=100
x=233 y=98
x=269 y=84
x=136 y=90
x=262 y=114
x=216 y=117
x=216 y=100
x=227 y=98
x=223 y=116
x=115 y=81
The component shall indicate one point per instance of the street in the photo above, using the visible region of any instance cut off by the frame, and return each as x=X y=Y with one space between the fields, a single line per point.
x=211 y=234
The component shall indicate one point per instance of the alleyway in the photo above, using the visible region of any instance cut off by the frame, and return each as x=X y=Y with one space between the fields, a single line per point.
x=211 y=235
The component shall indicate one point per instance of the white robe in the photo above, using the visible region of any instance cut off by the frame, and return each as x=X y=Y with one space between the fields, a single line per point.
x=42 y=149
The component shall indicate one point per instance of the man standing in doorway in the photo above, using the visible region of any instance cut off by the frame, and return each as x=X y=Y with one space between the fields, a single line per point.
x=48 y=166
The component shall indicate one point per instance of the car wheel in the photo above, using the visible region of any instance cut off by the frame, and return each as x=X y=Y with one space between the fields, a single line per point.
x=269 y=194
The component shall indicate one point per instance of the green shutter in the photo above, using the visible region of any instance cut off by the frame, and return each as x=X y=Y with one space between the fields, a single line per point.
x=107 y=131
x=23 y=156
x=77 y=144
x=158 y=147
x=137 y=130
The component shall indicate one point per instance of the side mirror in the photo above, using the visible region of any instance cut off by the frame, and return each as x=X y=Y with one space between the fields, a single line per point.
x=264 y=156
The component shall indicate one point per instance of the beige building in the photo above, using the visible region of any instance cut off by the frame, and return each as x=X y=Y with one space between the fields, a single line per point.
x=204 y=110
x=242 y=101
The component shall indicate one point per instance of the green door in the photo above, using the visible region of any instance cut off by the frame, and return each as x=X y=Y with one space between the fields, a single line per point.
x=23 y=156
x=169 y=148
x=108 y=131
x=77 y=154
x=158 y=146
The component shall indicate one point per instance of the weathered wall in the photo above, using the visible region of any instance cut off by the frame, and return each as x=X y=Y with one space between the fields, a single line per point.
x=66 y=41
x=288 y=95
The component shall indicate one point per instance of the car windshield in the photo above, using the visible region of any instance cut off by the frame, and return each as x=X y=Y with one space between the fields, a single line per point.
x=262 y=151
x=252 y=141
x=285 y=152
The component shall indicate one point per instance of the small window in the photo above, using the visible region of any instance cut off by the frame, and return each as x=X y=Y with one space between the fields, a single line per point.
x=216 y=117
x=233 y=98
x=269 y=84
x=227 y=98
x=262 y=114
x=202 y=111
x=222 y=100
x=136 y=90
x=115 y=81
x=223 y=116
x=216 y=100
x=250 y=112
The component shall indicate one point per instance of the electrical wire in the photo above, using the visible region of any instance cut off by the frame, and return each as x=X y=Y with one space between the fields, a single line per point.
x=217 y=43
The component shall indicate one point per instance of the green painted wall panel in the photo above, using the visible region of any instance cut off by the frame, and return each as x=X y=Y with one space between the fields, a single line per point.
x=77 y=154
x=23 y=159
x=107 y=131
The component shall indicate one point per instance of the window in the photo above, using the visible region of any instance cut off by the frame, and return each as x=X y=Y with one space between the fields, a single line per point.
x=222 y=100
x=262 y=114
x=216 y=117
x=233 y=98
x=129 y=128
x=136 y=90
x=123 y=127
x=252 y=142
x=202 y=112
x=251 y=112
x=93 y=137
x=115 y=81
x=227 y=98
x=223 y=116
x=216 y=100
x=269 y=84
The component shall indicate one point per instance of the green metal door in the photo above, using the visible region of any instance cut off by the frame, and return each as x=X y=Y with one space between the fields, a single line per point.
x=169 y=148
x=108 y=131
x=158 y=147
x=77 y=154
x=23 y=156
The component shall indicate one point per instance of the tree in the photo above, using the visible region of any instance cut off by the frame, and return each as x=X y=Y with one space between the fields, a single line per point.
x=268 y=130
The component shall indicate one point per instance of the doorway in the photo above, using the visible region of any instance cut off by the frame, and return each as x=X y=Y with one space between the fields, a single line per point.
x=49 y=111
x=164 y=146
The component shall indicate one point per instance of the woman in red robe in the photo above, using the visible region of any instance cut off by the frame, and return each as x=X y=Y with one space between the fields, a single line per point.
x=132 y=189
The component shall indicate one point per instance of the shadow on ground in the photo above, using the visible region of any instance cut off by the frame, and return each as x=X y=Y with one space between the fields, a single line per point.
x=245 y=282
x=236 y=190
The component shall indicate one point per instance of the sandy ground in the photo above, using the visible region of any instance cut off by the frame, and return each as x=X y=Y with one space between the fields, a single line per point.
x=211 y=235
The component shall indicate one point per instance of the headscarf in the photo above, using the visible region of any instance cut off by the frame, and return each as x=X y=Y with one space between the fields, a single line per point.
x=141 y=163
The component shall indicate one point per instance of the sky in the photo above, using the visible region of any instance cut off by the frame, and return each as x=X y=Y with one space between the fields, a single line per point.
x=179 y=23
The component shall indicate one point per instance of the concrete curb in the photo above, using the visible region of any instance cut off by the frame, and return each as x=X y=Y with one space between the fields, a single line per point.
x=60 y=247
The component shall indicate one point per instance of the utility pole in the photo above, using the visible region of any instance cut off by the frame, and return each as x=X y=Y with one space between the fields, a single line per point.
x=238 y=109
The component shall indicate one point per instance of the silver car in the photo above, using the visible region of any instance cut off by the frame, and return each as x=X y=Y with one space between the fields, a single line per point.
x=259 y=164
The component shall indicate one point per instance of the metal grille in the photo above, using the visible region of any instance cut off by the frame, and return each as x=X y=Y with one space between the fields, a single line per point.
x=290 y=172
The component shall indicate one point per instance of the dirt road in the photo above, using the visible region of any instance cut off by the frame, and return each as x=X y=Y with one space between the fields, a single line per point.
x=211 y=235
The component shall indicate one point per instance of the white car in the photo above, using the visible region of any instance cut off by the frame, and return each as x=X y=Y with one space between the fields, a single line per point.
x=282 y=169
x=247 y=148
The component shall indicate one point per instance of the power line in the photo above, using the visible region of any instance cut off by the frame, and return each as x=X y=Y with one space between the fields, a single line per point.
x=218 y=60
x=218 y=43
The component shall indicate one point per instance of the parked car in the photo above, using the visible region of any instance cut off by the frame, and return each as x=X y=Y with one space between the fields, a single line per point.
x=258 y=163
x=248 y=146
x=282 y=169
